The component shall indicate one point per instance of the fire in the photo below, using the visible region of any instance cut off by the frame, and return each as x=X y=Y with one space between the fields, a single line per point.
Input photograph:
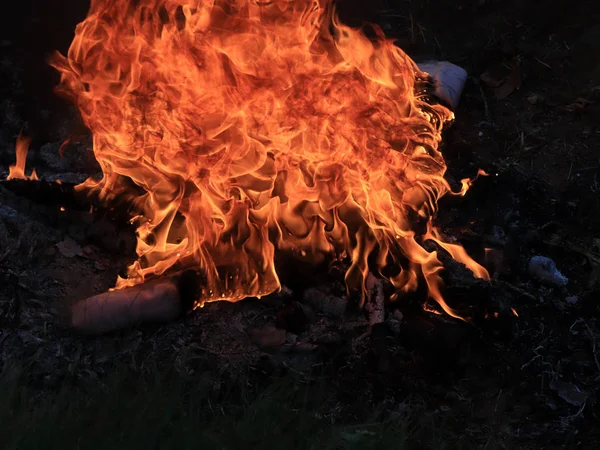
x=243 y=128
x=18 y=170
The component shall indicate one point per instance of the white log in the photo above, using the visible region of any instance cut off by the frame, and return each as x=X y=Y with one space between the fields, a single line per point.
x=156 y=301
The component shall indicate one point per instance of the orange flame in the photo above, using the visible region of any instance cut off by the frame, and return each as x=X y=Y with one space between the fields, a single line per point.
x=17 y=172
x=245 y=127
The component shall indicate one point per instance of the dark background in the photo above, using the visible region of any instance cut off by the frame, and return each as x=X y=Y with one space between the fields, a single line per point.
x=33 y=30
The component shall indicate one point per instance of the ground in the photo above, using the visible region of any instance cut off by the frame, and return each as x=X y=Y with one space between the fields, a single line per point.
x=227 y=377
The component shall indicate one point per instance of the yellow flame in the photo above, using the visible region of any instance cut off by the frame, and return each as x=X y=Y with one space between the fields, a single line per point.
x=17 y=171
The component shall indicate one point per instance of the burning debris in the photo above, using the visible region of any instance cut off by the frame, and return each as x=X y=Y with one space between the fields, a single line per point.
x=222 y=185
x=243 y=129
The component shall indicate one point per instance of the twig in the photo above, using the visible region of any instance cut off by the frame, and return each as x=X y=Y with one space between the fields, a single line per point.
x=568 y=419
x=18 y=283
x=575 y=323
x=517 y=290
x=538 y=356
x=520 y=138
x=543 y=63
x=528 y=363
x=594 y=352
x=592 y=257
x=6 y=254
x=497 y=398
x=486 y=108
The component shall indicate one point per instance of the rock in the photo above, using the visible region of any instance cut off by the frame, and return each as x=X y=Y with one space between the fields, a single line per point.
x=572 y=300
x=544 y=270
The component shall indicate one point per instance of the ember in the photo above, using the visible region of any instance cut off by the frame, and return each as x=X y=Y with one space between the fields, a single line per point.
x=242 y=128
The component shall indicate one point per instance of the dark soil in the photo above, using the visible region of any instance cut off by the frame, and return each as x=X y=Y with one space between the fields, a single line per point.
x=527 y=117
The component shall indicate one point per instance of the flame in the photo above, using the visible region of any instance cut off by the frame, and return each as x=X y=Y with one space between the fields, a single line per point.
x=17 y=172
x=242 y=128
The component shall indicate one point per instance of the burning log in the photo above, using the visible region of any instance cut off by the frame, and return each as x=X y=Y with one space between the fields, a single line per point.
x=41 y=191
x=64 y=195
x=156 y=301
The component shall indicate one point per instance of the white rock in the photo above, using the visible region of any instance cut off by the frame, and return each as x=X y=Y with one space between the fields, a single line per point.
x=572 y=300
x=449 y=80
x=544 y=269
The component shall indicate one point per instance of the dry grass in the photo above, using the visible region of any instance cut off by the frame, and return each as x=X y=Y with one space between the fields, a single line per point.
x=163 y=411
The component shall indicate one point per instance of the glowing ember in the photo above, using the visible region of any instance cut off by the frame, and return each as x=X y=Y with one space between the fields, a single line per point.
x=242 y=127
